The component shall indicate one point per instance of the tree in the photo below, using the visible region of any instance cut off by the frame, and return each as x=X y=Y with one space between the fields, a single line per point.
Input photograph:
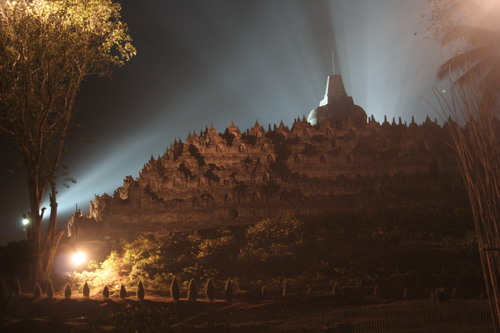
x=471 y=32
x=47 y=49
x=475 y=130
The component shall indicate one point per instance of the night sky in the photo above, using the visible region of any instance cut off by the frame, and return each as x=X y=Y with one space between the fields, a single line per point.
x=203 y=62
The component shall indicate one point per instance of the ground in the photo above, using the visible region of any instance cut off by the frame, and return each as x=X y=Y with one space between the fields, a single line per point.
x=296 y=313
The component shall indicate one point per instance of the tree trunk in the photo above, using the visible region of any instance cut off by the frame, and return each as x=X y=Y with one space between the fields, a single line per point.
x=44 y=251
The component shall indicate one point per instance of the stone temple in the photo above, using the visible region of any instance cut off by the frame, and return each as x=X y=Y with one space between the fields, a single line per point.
x=336 y=158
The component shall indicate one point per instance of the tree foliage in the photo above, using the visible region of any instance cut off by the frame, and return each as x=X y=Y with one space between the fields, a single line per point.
x=47 y=49
x=354 y=248
x=470 y=30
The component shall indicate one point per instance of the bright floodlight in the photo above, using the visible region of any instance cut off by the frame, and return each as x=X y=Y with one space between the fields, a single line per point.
x=79 y=258
x=26 y=221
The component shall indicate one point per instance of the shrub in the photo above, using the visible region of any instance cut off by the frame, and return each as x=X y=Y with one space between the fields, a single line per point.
x=123 y=292
x=67 y=291
x=140 y=291
x=174 y=290
x=105 y=292
x=38 y=290
x=86 y=290
x=17 y=288
x=335 y=288
x=192 y=295
x=50 y=289
x=286 y=288
x=228 y=291
x=3 y=289
x=210 y=291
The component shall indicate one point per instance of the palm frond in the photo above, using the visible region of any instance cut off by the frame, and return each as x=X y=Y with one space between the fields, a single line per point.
x=471 y=35
x=477 y=71
x=462 y=62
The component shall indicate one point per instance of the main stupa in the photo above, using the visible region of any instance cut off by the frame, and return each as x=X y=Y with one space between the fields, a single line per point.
x=337 y=108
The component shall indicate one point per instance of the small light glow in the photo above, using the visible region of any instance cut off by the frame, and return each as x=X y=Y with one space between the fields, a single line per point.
x=26 y=221
x=444 y=91
x=79 y=258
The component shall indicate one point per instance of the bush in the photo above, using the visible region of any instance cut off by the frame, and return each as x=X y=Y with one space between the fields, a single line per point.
x=86 y=290
x=192 y=295
x=17 y=288
x=174 y=290
x=210 y=291
x=228 y=291
x=38 y=290
x=286 y=288
x=67 y=291
x=50 y=289
x=123 y=292
x=140 y=291
x=105 y=292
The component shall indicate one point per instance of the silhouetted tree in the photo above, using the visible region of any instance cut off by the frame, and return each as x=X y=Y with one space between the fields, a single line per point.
x=47 y=49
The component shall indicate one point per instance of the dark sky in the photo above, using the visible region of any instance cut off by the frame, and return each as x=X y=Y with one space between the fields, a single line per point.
x=203 y=62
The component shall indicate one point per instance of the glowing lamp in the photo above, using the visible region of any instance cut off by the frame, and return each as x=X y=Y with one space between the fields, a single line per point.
x=25 y=221
x=79 y=258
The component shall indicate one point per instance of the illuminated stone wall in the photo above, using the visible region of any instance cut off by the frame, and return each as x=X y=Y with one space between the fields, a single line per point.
x=229 y=178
